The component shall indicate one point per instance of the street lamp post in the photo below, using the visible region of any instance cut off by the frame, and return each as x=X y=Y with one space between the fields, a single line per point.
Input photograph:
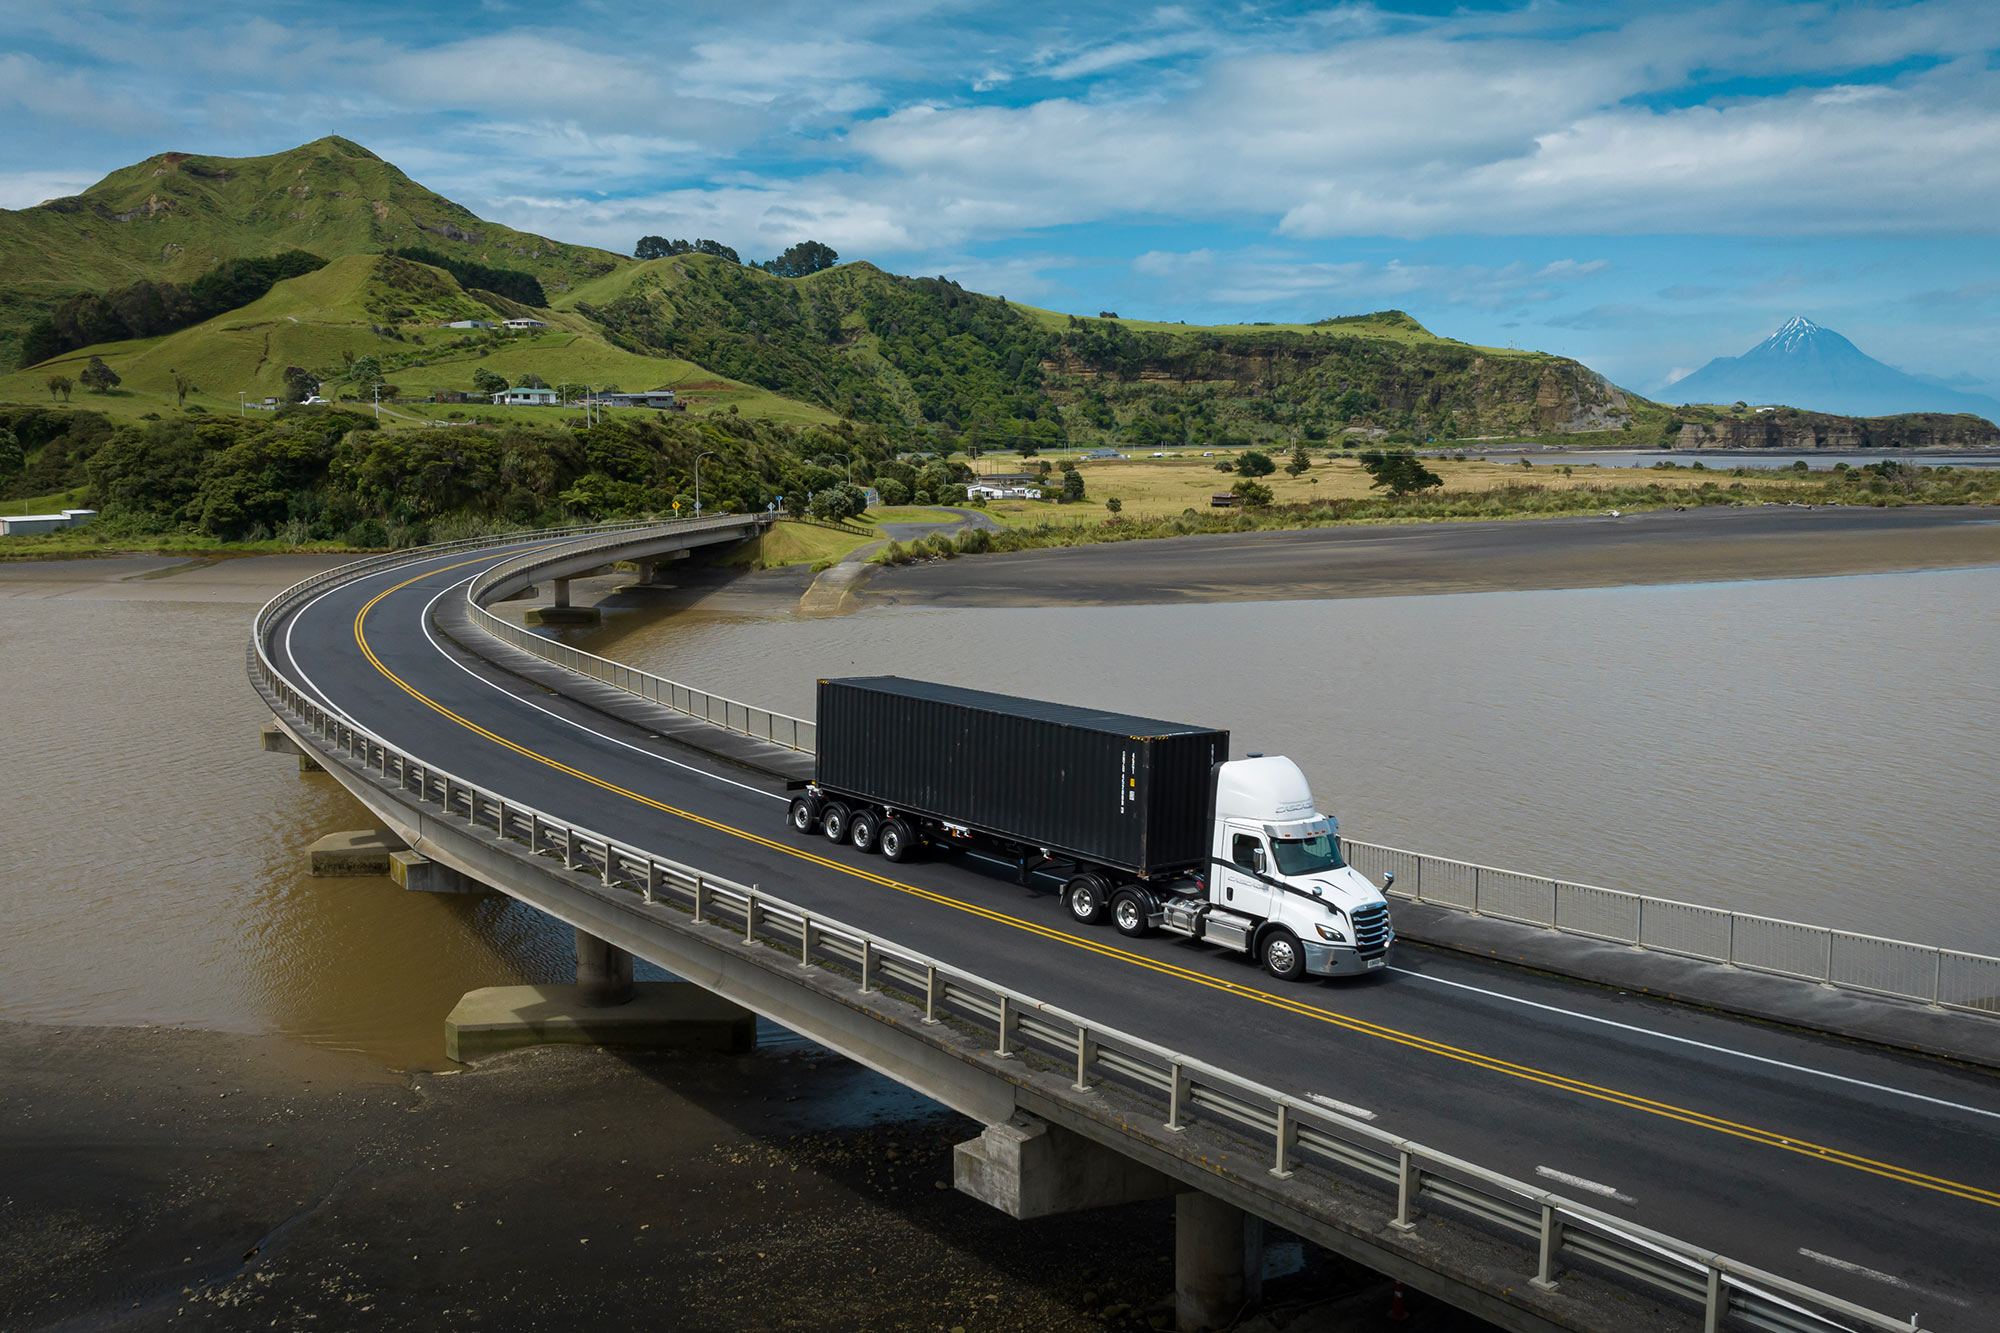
x=706 y=453
x=241 y=409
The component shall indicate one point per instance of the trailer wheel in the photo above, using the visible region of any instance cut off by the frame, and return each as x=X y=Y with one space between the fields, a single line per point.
x=1129 y=912
x=897 y=840
x=862 y=830
x=1283 y=958
x=833 y=822
x=1086 y=896
x=804 y=814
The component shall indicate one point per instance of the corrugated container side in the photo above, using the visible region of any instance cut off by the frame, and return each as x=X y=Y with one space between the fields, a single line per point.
x=1073 y=783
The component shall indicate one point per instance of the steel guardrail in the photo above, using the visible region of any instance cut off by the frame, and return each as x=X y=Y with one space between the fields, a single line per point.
x=730 y=714
x=1297 y=1136
x=1874 y=964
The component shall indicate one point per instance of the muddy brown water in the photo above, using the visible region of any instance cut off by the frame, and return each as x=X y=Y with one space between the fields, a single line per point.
x=1823 y=749
x=1819 y=749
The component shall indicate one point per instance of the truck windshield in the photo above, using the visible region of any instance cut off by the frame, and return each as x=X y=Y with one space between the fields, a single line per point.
x=1306 y=856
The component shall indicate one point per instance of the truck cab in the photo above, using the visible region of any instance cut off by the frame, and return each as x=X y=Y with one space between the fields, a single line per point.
x=1276 y=860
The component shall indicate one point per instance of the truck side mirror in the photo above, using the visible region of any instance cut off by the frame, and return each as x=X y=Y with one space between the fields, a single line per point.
x=1257 y=854
x=1387 y=880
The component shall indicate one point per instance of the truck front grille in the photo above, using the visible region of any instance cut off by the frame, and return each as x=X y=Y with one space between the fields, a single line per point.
x=1371 y=931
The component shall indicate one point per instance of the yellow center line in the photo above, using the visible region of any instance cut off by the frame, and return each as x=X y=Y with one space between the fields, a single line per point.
x=1560 y=1082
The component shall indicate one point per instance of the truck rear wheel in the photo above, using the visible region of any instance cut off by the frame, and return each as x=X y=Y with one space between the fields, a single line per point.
x=1283 y=958
x=1087 y=898
x=862 y=829
x=833 y=822
x=804 y=814
x=1132 y=914
x=897 y=840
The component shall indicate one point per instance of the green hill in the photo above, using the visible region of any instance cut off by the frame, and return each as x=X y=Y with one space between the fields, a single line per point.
x=383 y=307
x=176 y=215
x=923 y=353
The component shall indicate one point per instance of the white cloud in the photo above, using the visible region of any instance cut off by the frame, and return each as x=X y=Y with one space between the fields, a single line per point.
x=1266 y=278
x=25 y=189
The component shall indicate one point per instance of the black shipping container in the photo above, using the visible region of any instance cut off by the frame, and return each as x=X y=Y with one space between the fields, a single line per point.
x=1130 y=793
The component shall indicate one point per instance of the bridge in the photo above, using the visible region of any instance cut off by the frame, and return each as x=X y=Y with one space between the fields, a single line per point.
x=1543 y=1154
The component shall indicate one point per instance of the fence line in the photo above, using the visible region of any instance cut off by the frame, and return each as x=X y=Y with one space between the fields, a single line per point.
x=1947 y=978
x=730 y=714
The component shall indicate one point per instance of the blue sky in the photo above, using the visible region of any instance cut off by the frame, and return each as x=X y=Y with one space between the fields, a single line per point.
x=1639 y=186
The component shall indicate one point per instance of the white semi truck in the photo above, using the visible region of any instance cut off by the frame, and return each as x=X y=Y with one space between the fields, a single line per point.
x=1153 y=825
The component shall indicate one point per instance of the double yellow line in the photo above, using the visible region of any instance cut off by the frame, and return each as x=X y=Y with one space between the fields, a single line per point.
x=1560 y=1082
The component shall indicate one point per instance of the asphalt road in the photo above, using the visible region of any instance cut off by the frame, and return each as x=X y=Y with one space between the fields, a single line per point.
x=1872 y=1175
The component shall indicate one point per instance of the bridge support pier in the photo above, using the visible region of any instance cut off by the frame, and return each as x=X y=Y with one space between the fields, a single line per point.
x=559 y=611
x=603 y=972
x=1218 y=1262
x=1027 y=1167
x=275 y=741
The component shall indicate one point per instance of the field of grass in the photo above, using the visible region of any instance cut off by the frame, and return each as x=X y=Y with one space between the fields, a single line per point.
x=1164 y=487
x=794 y=544
x=42 y=504
x=1391 y=329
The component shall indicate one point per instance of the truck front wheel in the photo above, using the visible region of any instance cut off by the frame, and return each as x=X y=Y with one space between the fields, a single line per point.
x=804 y=814
x=1086 y=898
x=1129 y=912
x=897 y=840
x=1283 y=958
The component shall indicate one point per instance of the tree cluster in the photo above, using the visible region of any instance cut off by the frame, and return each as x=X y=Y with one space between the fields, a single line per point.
x=659 y=247
x=149 y=309
x=513 y=284
x=801 y=259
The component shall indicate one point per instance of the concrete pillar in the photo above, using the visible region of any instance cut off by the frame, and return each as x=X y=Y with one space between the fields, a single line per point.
x=647 y=570
x=1027 y=1167
x=603 y=972
x=419 y=874
x=561 y=592
x=1218 y=1262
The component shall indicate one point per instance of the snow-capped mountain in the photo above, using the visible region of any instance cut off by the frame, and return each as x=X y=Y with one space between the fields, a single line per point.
x=1804 y=365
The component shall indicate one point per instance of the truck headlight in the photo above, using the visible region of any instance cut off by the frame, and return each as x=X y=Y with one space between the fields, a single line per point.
x=1331 y=934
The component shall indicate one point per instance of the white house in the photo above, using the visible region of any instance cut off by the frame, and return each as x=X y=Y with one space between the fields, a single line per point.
x=1005 y=492
x=468 y=324
x=525 y=398
x=525 y=324
x=36 y=525
x=662 y=399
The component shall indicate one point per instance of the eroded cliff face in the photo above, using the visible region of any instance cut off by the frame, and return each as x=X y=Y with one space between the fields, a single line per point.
x=1789 y=429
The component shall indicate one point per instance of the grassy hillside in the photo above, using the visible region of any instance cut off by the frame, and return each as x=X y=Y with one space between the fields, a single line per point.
x=176 y=215
x=981 y=372
x=387 y=308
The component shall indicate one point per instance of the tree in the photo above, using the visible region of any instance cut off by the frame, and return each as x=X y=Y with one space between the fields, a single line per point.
x=1113 y=504
x=531 y=381
x=1252 y=463
x=98 y=377
x=1253 y=494
x=183 y=386
x=893 y=492
x=487 y=382
x=1072 y=486
x=651 y=247
x=12 y=460
x=59 y=384
x=801 y=259
x=1300 y=464
x=1400 y=472
x=299 y=384
x=366 y=372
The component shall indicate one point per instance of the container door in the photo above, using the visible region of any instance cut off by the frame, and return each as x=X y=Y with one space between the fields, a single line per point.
x=1242 y=890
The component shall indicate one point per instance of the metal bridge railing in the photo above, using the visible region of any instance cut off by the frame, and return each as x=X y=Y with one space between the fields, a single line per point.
x=744 y=719
x=1303 y=1142
x=1947 y=978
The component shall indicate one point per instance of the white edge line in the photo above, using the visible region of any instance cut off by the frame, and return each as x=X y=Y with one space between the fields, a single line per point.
x=636 y=749
x=1702 y=1045
x=1888 y=1278
x=1580 y=1183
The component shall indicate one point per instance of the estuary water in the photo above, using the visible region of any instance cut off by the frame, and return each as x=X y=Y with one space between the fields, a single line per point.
x=1824 y=750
